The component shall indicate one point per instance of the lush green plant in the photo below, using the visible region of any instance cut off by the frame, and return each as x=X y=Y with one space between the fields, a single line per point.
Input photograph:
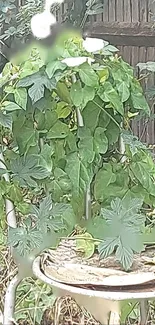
x=60 y=132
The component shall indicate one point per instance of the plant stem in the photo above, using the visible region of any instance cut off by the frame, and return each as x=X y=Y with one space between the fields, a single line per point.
x=9 y=208
x=88 y=195
x=9 y=304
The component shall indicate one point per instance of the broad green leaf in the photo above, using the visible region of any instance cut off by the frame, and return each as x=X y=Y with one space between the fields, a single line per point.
x=63 y=92
x=85 y=246
x=36 y=92
x=133 y=142
x=26 y=171
x=124 y=223
x=25 y=240
x=49 y=215
x=107 y=247
x=125 y=256
x=88 y=94
x=91 y=114
x=6 y=120
x=51 y=118
x=104 y=177
x=100 y=141
x=108 y=94
x=60 y=185
x=123 y=90
x=20 y=95
x=63 y=110
x=45 y=159
x=24 y=133
x=58 y=131
x=78 y=173
x=11 y=106
x=142 y=172
x=86 y=150
x=137 y=98
x=53 y=66
x=112 y=132
x=38 y=81
x=103 y=74
x=87 y=75
x=150 y=66
x=76 y=93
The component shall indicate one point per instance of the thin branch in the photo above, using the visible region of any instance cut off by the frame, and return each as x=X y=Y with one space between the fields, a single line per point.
x=9 y=208
x=9 y=304
x=88 y=195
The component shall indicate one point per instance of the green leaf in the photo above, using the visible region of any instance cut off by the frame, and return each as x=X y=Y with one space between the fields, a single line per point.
x=38 y=81
x=36 y=92
x=107 y=247
x=124 y=223
x=63 y=110
x=125 y=256
x=26 y=171
x=137 y=98
x=53 y=66
x=91 y=115
x=88 y=94
x=123 y=91
x=21 y=97
x=76 y=93
x=133 y=142
x=6 y=120
x=49 y=215
x=45 y=159
x=104 y=177
x=24 y=133
x=25 y=240
x=108 y=94
x=58 y=131
x=86 y=150
x=85 y=246
x=11 y=106
x=63 y=92
x=87 y=75
x=142 y=172
x=112 y=133
x=100 y=141
x=78 y=173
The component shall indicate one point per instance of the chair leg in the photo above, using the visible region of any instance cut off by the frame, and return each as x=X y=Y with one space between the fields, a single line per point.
x=144 y=311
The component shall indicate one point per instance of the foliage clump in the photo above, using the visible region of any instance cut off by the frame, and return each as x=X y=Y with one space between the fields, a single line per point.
x=62 y=120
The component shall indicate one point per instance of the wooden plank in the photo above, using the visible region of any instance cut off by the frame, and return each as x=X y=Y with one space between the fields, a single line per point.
x=143 y=12
x=127 y=11
x=150 y=83
x=151 y=10
x=134 y=61
x=112 y=11
x=106 y=11
x=123 y=33
x=120 y=10
x=127 y=53
x=135 y=10
x=141 y=126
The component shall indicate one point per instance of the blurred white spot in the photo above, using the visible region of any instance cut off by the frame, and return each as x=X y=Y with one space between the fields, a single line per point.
x=41 y=23
x=73 y=62
x=93 y=44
